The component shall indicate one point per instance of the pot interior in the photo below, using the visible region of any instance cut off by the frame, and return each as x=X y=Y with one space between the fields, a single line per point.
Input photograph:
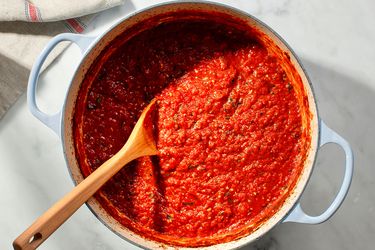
x=164 y=13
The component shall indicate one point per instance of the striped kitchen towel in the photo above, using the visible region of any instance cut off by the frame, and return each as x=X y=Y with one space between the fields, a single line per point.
x=25 y=28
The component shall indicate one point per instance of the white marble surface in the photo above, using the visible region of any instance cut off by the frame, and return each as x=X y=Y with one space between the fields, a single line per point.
x=335 y=40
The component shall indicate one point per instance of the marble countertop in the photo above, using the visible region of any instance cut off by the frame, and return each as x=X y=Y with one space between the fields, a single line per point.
x=335 y=41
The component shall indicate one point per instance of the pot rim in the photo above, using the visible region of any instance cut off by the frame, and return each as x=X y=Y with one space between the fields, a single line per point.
x=313 y=146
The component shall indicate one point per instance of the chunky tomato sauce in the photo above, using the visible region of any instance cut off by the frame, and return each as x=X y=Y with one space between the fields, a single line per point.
x=229 y=128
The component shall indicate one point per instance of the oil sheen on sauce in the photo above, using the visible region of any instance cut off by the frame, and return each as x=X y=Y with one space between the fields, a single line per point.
x=229 y=132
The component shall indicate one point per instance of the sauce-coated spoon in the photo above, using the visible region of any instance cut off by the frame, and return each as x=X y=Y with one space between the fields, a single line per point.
x=141 y=142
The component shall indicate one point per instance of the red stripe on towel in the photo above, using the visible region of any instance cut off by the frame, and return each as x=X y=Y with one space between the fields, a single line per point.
x=33 y=14
x=75 y=25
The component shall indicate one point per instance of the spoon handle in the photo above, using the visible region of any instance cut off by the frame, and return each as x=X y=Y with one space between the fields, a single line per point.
x=141 y=142
x=52 y=219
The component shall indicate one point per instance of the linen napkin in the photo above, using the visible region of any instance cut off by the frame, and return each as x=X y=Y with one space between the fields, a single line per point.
x=26 y=27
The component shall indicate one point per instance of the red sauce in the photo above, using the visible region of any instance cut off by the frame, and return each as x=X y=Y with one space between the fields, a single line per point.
x=230 y=131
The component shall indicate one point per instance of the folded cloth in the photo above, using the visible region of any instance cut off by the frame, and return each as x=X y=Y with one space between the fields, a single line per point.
x=26 y=27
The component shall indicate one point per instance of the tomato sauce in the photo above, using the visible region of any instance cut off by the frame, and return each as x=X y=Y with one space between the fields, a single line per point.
x=229 y=131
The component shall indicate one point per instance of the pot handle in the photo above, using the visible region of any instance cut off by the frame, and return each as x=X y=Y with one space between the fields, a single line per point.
x=52 y=121
x=327 y=136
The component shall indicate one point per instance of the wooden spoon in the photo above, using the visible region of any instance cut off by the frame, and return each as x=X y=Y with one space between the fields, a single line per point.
x=141 y=142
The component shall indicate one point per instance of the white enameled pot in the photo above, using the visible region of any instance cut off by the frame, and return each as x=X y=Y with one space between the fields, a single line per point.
x=61 y=122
